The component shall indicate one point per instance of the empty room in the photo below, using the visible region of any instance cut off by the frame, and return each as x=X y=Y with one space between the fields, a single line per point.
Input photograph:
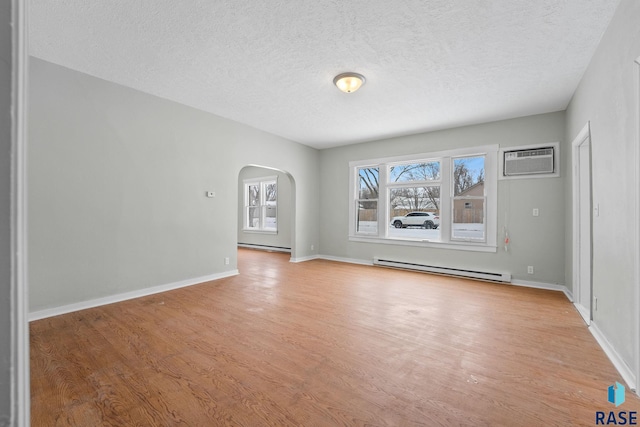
x=385 y=213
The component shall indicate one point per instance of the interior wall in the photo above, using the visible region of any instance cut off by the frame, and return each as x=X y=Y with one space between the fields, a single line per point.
x=284 y=198
x=536 y=241
x=5 y=212
x=117 y=183
x=606 y=97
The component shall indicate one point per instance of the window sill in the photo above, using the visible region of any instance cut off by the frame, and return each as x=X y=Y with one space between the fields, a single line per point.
x=246 y=230
x=459 y=246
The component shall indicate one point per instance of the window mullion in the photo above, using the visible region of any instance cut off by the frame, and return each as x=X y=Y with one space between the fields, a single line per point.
x=445 y=199
x=383 y=201
x=263 y=205
x=412 y=184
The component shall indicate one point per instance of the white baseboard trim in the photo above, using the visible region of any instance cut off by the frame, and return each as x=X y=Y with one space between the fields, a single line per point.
x=625 y=371
x=584 y=313
x=546 y=286
x=568 y=294
x=56 y=311
x=333 y=258
x=345 y=260
x=304 y=258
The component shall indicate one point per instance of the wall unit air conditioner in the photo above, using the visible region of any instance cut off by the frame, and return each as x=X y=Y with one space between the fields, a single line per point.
x=530 y=161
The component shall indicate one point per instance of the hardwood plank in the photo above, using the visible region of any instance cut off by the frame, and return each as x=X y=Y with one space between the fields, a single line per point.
x=322 y=343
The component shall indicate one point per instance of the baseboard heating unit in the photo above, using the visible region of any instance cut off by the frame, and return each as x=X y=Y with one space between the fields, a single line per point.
x=459 y=272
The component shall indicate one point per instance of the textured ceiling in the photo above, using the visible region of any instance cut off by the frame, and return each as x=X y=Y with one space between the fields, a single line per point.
x=270 y=64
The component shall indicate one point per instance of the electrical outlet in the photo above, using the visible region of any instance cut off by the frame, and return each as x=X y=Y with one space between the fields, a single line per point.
x=312 y=247
x=595 y=303
x=536 y=212
x=530 y=269
x=226 y=261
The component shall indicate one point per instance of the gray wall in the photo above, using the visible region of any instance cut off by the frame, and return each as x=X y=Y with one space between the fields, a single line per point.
x=117 y=182
x=534 y=241
x=285 y=195
x=5 y=212
x=606 y=97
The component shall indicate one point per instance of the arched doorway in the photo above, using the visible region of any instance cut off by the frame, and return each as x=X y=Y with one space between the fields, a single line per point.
x=266 y=209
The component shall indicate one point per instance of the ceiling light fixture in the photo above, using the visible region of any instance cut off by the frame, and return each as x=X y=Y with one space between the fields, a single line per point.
x=349 y=82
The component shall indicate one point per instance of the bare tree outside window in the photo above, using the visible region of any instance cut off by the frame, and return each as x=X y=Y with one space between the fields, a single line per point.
x=369 y=184
x=428 y=171
x=367 y=203
x=467 y=172
x=469 y=200
x=253 y=209
x=270 y=201
x=425 y=198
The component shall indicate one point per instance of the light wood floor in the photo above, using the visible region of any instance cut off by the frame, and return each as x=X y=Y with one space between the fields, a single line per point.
x=322 y=344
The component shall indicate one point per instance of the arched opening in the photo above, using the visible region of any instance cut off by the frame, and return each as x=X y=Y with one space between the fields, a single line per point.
x=266 y=209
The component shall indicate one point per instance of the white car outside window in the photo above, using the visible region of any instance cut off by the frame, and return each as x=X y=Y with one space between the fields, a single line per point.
x=416 y=219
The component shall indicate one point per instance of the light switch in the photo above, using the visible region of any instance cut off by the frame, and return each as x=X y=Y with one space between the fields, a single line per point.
x=211 y=194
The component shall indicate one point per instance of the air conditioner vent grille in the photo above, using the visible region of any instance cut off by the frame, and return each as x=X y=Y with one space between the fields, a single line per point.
x=529 y=162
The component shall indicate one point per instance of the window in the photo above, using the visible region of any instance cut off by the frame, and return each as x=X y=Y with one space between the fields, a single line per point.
x=469 y=199
x=367 y=201
x=444 y=199
x=261 y=205
x=414 y=200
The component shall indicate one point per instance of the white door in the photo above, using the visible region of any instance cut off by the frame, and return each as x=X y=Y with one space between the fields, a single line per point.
x=582 y=209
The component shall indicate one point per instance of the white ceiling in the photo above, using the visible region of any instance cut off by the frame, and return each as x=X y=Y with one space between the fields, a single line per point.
x=429 y=64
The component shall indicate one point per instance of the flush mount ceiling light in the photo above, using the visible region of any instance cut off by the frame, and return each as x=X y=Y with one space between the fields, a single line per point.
x=349 y=82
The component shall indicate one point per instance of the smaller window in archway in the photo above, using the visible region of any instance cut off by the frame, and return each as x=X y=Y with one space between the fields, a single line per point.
x=261 y=205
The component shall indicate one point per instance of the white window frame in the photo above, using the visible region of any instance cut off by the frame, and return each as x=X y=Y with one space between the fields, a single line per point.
x=490 y=153
x=262 y=206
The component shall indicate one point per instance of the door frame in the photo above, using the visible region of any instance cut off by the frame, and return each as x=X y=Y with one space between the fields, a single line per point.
x=637 y=231
x=584 y=137
x=20 y=380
